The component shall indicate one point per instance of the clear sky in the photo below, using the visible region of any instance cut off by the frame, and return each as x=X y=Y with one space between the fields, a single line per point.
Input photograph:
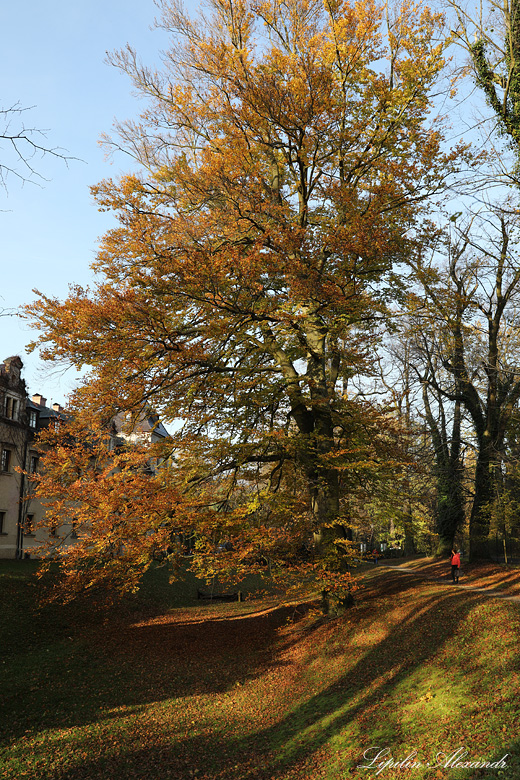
x=52 y=57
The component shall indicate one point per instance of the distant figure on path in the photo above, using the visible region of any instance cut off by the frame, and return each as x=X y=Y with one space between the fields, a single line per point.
x=455 y=565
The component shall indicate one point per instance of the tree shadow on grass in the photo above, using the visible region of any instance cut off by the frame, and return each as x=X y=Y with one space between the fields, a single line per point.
x=71 y=682
x=293 y=737
x=364 y=688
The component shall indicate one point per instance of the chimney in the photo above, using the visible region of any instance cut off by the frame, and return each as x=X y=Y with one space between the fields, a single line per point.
x=39 y=400
x=57 y=407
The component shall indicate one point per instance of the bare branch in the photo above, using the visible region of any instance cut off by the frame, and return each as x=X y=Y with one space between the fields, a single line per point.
x=20 y=144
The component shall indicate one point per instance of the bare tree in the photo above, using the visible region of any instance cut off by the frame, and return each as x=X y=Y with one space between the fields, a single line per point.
x=475 y=304
x=433 y=421
x=20 y=145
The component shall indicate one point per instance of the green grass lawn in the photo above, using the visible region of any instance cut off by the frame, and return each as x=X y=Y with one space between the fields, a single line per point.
x=165 y=687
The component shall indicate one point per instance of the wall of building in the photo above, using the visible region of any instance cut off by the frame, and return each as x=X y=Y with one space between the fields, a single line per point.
x=14 y=437
x=20 y=420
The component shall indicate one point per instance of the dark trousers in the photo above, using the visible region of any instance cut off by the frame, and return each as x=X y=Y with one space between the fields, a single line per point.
x=455 y=573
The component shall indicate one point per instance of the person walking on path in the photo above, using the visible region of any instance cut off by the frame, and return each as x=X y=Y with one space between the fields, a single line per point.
x=455 y=565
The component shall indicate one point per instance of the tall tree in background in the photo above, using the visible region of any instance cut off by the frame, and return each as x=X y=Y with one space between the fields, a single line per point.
x=448 y=470
x=475 y=301
x=490 y=32
x=286 y=151
x=443 y=415
x=432 y=419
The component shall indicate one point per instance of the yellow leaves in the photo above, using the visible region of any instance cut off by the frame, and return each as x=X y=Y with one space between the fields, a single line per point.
x=279 y=182
x=428 y=696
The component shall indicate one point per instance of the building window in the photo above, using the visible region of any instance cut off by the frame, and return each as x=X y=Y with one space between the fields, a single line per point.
x=33 y=418
x=33 y=464
x=29 y=525
x=2 y=523
x=5 y=460
x=11 y=407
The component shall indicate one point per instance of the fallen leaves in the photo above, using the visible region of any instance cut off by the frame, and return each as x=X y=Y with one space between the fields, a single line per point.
x=251 y=697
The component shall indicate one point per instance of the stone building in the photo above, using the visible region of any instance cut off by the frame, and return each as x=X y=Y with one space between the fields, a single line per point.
x=20 y=420
x=15 y=435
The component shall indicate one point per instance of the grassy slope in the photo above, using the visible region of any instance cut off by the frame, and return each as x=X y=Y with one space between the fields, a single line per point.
x=244 y=692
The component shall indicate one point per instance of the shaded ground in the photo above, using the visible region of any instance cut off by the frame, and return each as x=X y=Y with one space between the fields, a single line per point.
x=259 y=691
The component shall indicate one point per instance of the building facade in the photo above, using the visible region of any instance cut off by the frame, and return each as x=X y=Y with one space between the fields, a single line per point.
x=14 y=446
x=21 y=418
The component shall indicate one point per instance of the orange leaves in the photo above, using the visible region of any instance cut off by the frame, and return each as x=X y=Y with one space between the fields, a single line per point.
x=285 y=152
x=108 y=503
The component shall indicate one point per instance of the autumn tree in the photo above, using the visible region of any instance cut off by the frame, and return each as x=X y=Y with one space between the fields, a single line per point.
x=286 y=156
x=105 y=506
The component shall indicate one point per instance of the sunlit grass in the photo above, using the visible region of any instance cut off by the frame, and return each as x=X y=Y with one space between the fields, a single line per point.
x=248 y=692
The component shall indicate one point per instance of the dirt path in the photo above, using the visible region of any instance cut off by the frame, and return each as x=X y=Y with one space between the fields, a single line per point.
x=489 y=579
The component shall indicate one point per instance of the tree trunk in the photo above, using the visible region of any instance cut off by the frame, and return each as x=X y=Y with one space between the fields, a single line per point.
x=450 y=506
x=324 y=494
x=481 y=511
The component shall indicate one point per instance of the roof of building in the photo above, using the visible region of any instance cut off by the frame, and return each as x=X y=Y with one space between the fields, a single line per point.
x=146 y=422
x=44 y=411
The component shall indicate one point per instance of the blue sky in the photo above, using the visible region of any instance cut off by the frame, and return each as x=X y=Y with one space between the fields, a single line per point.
x=52 y=57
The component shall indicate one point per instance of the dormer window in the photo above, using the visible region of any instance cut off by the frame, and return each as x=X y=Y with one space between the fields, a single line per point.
x=33 y=418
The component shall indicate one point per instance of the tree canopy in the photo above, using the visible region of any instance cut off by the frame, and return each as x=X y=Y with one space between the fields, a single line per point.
x=287 y=154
